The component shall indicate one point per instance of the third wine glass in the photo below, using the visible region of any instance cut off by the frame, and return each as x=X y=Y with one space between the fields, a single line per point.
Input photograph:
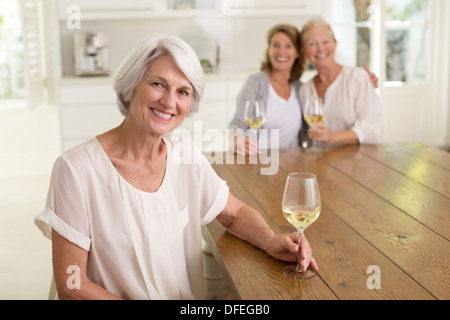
x=313 y=114
x=255 y=113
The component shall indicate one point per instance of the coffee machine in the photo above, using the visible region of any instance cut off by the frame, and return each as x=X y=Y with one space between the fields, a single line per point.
x=91 y=53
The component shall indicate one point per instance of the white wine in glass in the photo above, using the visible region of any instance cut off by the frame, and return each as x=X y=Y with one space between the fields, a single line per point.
x=301 y=207
x=312 y=120
x=255 y=113
x=313 y=114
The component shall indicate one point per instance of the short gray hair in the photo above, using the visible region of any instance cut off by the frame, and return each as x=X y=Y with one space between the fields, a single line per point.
x=133 y=67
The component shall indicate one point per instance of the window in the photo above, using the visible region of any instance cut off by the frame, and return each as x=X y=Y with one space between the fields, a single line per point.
x=351 y=21
x=12 y=81
x=22 y=63
x=406 y=23
x=407 y=40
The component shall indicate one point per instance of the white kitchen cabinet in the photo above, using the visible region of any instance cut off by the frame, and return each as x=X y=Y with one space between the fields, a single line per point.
x=111 y=9
x=87 y=108
x=194 y=5
x=212 y=115
x=135 y=9
x=141 y=9
x=273 y=7
x=208 y=128
x=83 y=91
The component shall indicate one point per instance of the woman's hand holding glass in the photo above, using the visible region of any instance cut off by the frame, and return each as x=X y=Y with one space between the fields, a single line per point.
x=320 y=132
x=286 y=248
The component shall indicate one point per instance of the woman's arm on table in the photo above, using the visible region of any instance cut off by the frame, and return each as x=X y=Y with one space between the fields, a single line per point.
x=246 y=223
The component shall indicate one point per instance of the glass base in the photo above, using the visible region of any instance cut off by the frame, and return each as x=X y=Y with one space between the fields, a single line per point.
x=313 y=149
x=291 y=272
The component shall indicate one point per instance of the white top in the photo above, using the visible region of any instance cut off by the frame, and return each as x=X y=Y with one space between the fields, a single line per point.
x=281 y=114
x=141 y=245
x=350 y=103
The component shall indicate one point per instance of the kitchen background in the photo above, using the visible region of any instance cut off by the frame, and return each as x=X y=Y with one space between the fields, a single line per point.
x=45 y=107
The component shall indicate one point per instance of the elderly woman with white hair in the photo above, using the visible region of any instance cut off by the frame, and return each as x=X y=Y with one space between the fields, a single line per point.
x=125 y=209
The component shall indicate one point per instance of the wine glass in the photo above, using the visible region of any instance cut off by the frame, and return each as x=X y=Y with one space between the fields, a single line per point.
x=255 y=113
x=301 y=207
x=313 y=114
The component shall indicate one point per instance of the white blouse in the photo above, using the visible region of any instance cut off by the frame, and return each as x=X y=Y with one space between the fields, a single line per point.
x=350 y=103
x=141 y=245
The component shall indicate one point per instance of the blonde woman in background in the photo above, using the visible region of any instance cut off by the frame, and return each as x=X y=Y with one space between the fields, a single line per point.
x=352 y=110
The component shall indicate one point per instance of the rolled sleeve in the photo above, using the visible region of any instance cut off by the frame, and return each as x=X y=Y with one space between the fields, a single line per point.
x=48 y=220
x=65 y=210
x=218 y=204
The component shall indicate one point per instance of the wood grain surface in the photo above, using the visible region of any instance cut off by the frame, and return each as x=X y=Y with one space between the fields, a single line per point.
x=386 y=206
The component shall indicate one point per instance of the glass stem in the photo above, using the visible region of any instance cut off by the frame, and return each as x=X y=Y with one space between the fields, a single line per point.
x=299 y=254
x=314 y=140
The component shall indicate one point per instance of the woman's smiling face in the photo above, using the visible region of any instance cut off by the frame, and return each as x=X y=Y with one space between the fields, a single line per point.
x=282 y=52
x=319 y=46
x=162 y=98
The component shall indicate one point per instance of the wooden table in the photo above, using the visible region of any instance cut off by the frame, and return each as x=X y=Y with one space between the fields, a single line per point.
x=386 y=206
